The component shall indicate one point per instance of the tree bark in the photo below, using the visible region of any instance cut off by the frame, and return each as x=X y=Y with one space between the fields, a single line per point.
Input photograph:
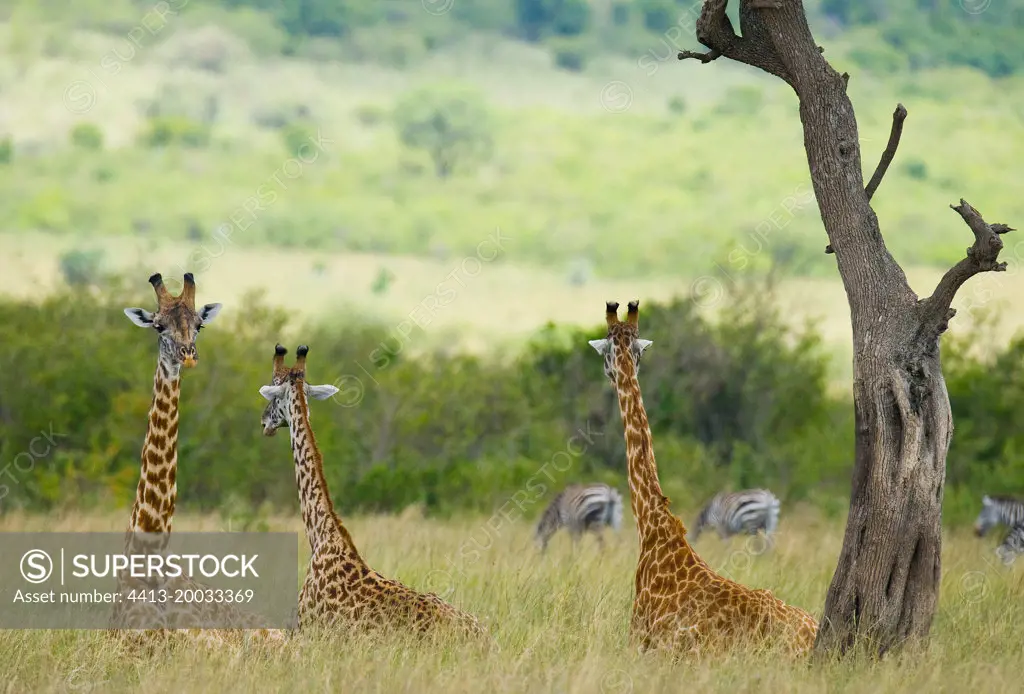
x=885 y=589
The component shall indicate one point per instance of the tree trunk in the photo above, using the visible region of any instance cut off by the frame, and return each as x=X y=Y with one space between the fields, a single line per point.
x=885 y=589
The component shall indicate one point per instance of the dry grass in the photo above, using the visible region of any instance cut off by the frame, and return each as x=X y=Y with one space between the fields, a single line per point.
x=560 y=621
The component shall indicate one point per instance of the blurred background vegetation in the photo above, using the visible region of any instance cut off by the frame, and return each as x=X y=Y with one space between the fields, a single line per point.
x=327 y=167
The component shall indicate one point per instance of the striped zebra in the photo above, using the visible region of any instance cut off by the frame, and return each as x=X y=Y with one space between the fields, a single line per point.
x=998 y=509
x=733 y=513
x=1012 y=545
x=580 y=508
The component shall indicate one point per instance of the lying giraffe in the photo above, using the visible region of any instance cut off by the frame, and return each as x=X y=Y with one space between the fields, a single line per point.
x=340 y=588
x=681 y=603
x=177 y=322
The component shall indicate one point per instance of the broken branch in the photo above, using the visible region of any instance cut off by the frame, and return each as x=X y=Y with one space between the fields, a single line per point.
x=898 y=116
x=704 y=58
x=982 y=256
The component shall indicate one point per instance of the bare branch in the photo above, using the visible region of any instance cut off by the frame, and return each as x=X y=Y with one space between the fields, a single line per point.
x=715 y=30
x=704 y=58
x=982 y=256
x=898 y=116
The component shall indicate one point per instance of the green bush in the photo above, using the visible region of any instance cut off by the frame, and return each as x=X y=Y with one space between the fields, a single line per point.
x=450 y=432
x=736 y=403
x=916 y=169
x=569 y=54
x=298 y=135
x=450 y=122
x=87 y=136
x=80 y=268
x=167 y=131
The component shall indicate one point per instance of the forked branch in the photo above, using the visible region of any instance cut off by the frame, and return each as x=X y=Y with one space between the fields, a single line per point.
x=754 y=48
x=982 y=256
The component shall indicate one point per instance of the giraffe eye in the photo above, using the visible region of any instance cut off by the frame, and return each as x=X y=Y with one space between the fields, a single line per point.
x=159 y=328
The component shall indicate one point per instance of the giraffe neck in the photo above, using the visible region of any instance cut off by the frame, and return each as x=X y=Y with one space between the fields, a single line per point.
x=323 y=526
x=646 y=497
x=158 y=489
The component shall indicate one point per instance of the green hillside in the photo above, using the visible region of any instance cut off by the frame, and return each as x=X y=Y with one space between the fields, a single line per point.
x=631 y=163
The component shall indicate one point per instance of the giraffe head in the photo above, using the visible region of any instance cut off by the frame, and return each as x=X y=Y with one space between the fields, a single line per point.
x=286 y=385
x=623 y=345
x=176 y=321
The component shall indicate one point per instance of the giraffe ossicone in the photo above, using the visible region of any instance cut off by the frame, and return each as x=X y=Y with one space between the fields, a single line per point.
x=681 y=604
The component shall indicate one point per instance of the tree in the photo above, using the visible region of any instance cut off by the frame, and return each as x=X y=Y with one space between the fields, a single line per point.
x=885 y=589
x=450 y=122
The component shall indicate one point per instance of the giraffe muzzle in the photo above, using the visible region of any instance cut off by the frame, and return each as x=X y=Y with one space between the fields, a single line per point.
x=190 y=362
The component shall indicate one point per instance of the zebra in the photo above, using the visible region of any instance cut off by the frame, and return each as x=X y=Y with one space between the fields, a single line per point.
x=733 y=513
x=580 y=508
x=1007 y=510
x=1012 y=545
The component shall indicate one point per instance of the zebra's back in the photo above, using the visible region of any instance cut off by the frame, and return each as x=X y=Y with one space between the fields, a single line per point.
x=579 y=508
x=745 y=511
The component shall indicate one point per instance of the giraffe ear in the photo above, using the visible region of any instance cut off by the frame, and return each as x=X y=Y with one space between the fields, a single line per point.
x=140 y=316
x=271 y=392
x=600 y=345
x=320 y=392
x=643 y=344
x=208 y=313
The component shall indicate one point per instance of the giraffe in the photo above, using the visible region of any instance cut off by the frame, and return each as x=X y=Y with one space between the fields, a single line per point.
x=177 y=323
x=340 y=588
x=681 y=604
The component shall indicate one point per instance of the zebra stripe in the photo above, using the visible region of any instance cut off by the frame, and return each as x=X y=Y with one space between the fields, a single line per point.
x=1012 y=545
x=580 y=508
x=733 y=513
x=998 y=509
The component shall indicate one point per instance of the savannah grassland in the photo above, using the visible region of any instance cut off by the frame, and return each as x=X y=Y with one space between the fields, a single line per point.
x=685 y=186
x=560 y=620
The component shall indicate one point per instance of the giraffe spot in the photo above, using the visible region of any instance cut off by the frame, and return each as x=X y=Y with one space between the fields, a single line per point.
x=146 y=522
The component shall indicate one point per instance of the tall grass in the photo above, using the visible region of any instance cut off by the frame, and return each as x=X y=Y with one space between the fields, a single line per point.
x=560 y=621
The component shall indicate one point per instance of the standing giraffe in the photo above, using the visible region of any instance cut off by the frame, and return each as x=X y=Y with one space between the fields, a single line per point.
x=177 y=322
x=680 y=603
x=340 y=588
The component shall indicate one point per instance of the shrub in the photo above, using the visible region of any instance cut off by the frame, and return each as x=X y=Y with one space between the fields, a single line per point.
x=80 y=268
x=450 y=122
x=166 y=131
x=296 y=136
x=87 y=136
